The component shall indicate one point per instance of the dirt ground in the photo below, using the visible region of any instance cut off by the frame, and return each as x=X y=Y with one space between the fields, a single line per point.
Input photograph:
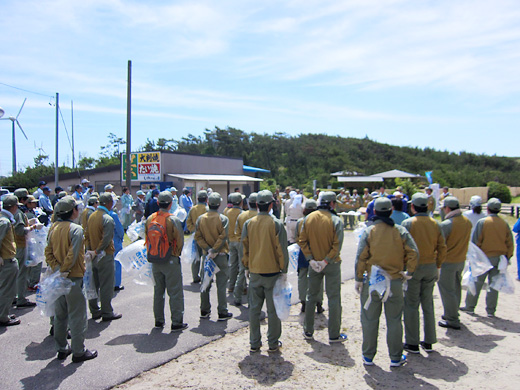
x=482 y=355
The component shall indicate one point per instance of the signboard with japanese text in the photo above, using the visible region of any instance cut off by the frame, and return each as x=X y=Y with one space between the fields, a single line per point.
x=145 y=166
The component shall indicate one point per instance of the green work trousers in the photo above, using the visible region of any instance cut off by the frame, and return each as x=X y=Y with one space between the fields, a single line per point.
x=234 y=249
x=34 y=274
x=168 y=278
x=221 y=279
x=196 y=273
x=491 y=295
x=332 y=275
x=240 y=284
x=260 y=290
x=393 y=314
x=303 y=286
x=420 y=292
x=71 y=313
x=450 y=289
x=103 y=270
x=8 y=273
x=22 y=279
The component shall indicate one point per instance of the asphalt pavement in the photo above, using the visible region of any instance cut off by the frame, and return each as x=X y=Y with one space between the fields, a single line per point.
x=127 y=346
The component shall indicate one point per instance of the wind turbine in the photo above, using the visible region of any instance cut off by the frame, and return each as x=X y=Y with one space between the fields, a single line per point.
x=15 y=120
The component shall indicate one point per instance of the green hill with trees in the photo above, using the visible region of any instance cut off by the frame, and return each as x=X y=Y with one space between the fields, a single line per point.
x=297 y=160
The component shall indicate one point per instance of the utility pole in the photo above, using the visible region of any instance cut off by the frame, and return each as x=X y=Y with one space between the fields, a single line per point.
x=129 y=128
x=56 y=174
x=72 y=120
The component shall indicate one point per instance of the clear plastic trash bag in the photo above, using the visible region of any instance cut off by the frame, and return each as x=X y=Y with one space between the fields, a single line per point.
x=282 y=293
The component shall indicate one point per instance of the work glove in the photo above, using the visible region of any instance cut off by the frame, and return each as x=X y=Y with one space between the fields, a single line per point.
x=406 y=276
x=33 y=221
x=321 y=264
x=101 y=254
x=246 y=272
x=358 y=286
x=38 y=225
x=314 y=265
x=212 y=253
x=90 y=255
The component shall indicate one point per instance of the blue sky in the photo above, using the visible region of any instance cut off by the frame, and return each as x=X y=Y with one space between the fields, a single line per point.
x=442 y=74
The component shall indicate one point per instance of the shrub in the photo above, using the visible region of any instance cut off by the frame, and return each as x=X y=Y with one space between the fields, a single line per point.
x=500 y=191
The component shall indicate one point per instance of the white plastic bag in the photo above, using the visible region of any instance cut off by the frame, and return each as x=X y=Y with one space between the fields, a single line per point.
x=135 y=231
x=189 y=250
x=478 y=261
x=379 y=281
x=294 y=253
x=36 y=243
x=282 y=298
x=180 y=213
x=468 y=281
x=133 y=257
x=89 y=287
x=51 y=287
x=145 y=275
x=503 y=282
x=358 y=232
x=210 y=270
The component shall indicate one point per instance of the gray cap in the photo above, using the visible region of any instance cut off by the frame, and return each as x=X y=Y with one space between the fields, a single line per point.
x=253 y=197
x=62 y=194
x=264 y=197
x=105 y=198
x=139 y=193
x=214 y=199
x=65 y=205
x=475 y=201
x=420 y=199
x=311 y=204
x=235 y=198
x=21 y=193
x=374 y=194
x=494 y=205
x=93 y=200
x=328 y=196
x=109 y=187
x=451 y=202
x=9 y=201
x=165 y=197
x=202 y=194
x=31 y=199
x=382 y=204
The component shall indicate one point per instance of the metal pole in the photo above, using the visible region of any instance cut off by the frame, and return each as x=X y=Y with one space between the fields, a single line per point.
x=129 y=128
x=14 y=149
x=72 y=120
x=56 y=173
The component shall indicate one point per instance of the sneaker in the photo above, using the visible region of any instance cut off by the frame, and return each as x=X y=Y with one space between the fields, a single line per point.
x=179 y=328
x=159 y=324
x=398 y=363
x=276 y=347
x=63 y=355
x=26 y=304
x=491 y=315
x=427 y=347
x=340 y=339
x=112 y=317
x=237 y=303
x=11 y=322
x=255 y=349
x=225 y=316
x=367 y=361
x=319 y=308
x=411 y=348
x=466 y=310
x=446 y=324
x=205 y=314
x=88 y=355
x=308 y=336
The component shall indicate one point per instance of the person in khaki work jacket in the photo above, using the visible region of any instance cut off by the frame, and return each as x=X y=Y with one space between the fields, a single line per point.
x=8 y=262
x=457 y=230
x=211 y=234
x=265 y=259
x=234 y=238
x=320 y=240
x=392 y=248
x=93 y=203
x=195 y=212
x=21 y=229
x=65 y=252
x=99 y=242
x=240 y=285
x=167 y=273
x=493 y=235
x=428 y=236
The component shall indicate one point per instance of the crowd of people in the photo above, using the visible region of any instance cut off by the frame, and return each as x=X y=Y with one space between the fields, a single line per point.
x=401 y=246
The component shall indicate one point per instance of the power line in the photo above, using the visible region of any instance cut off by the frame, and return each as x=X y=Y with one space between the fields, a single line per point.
x=26 y=90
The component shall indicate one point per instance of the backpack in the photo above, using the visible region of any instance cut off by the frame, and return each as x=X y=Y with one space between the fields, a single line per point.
x=157 y=244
